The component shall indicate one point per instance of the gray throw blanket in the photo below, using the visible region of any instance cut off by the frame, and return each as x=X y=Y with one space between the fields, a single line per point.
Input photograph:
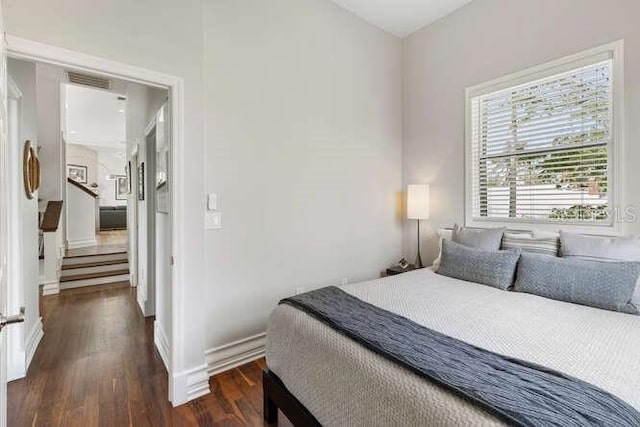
x=519 y=392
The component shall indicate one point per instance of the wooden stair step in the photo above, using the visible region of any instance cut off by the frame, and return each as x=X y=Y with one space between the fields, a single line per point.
x=92 y=259
x=95 y=255
x=94 y=264
x=94 y=275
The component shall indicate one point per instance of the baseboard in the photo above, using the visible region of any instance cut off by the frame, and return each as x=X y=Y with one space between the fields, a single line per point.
x=186 y=385
x=141 y=298
x=162 y=344
x=237 y=353
x=75 y=244
x=32 y=341
x=194 y=383
x=189 y=385
x=50 y=288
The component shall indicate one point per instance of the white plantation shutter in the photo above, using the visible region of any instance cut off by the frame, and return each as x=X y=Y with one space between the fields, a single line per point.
x=540 y=150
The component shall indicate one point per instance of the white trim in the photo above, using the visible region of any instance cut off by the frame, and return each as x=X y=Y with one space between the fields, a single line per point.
x=32 y=342
x=229 y=356
x=13 y=91
x=194 y=383
x=614 y=51
x=34 y=51
x=17 y=369
x=75 y=244
x=548 y=69
x=141 y=297
x=50 y=288
x=162 y=344
x=15 y=266
x=152 y=123
x=29 y=50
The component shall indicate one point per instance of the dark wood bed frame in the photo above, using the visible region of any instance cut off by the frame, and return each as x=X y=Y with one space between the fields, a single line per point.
x=276 y=396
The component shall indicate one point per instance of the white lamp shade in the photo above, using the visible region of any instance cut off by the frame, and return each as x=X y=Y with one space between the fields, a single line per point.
x=418 y=201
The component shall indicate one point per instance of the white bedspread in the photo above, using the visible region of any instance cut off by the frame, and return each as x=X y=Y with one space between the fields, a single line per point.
x=344 y=384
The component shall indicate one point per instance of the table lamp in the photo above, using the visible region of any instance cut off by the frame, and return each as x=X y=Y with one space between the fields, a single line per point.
x=418 y=208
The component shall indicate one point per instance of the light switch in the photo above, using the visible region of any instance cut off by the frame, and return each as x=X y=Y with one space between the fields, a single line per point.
x=212 y=201
x=212 y=220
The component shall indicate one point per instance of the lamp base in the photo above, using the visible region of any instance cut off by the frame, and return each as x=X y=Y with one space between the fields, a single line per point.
x=418 y=263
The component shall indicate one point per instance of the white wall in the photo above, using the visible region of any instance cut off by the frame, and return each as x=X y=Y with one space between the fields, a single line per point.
x=83 y=156
x=52 y=158
x=52 y=153
x=81 y=220
x=303 y=147
x=485 y=40
x=24 y=74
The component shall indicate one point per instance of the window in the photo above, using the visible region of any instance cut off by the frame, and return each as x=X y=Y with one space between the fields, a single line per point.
x=540 y=144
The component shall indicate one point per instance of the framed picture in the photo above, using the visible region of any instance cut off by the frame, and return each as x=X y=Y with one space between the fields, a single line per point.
x=141 y=181
x=122 y=187
x=77 y=173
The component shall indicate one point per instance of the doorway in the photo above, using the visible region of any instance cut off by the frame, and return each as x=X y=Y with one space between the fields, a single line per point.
x=97 y=187
x=139 y=177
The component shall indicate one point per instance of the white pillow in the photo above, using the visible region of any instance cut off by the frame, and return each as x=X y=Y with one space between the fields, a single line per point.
x=601 y=248
x=443 y=234
x=540 y=243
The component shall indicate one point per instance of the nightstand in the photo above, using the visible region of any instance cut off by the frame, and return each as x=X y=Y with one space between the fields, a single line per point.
x=396 y=269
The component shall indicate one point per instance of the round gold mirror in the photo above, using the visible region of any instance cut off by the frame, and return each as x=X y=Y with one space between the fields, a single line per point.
x=30 y=170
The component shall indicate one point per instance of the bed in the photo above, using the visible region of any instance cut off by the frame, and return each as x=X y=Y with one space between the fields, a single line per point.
x=316 y=375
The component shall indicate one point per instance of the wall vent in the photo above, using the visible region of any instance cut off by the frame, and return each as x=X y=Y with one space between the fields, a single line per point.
x=88 y=80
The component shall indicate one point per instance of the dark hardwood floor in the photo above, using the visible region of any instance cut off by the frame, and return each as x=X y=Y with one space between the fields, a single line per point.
x=97 y=366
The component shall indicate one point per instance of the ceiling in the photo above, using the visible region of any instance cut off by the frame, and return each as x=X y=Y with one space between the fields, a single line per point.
x=94 y=118
x=401 y=17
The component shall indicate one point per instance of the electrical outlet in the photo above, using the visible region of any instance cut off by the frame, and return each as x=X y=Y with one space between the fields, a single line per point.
x=345 y=281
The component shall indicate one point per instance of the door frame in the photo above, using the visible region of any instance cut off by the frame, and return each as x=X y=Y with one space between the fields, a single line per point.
x=20 y=48
x=151 y=231
x=132 y=221
x=16 y=368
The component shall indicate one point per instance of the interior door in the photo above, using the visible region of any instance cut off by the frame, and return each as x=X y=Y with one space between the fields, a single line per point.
x=16 y=218
x=4 y=240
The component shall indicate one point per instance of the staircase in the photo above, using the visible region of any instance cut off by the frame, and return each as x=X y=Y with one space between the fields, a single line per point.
x=94 y=269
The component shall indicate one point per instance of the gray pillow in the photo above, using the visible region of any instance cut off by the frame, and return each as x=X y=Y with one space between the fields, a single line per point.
x=607 y=285
x=482 y=238
x=602 y=248
x=493 y=268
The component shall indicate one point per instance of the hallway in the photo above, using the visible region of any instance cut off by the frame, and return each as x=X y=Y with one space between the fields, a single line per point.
x=97 y=365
